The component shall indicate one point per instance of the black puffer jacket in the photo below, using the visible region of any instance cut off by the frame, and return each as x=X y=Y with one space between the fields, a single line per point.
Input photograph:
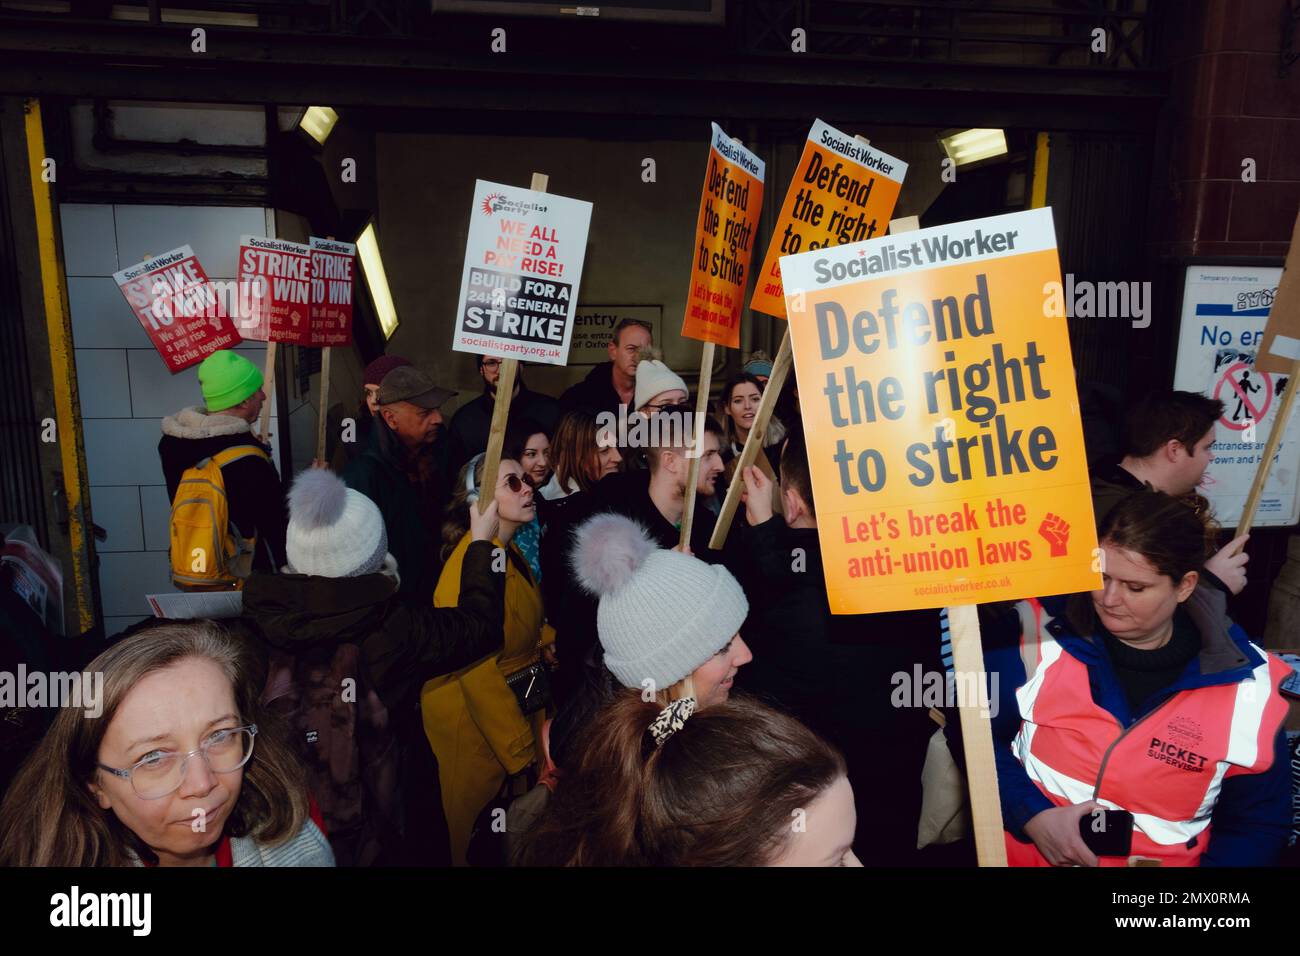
x=403 y=644
x=347 y=660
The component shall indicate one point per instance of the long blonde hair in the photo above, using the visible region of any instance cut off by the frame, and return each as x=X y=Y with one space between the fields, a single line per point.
x=49 y=816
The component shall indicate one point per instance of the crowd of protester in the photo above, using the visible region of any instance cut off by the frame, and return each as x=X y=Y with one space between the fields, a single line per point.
x=432 y=670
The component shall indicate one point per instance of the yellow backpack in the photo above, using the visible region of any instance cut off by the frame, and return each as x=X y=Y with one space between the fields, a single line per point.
x=207 y=552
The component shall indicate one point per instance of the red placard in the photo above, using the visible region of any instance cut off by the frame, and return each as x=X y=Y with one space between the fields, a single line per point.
x=331 y=291
x=171 y=296
x=275 y=290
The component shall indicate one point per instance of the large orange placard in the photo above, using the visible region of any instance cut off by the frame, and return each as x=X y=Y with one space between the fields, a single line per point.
x=724 y=242
x=843 y=191
x=941 y=415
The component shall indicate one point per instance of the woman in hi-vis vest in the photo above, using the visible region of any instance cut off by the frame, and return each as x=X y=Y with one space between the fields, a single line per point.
x=483 y=721
x=1141 y=698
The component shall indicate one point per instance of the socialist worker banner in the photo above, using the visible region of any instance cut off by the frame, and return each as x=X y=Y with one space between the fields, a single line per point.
x=724 y=242
x=171 y=296
x=332 y=277
x=275 y=290
x=942 y=421
x=842 y=191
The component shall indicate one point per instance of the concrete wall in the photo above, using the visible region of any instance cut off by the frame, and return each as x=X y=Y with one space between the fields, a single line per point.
x=638 y=253
x=639 y=249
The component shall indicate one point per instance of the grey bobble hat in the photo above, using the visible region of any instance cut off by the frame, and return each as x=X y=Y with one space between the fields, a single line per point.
x=661 y=613
x=334 y=531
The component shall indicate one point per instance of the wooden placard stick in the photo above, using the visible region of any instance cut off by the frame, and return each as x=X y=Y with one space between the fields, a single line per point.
x=753 y=442
x=268 y=386
x=977 y=738
x=324 y=402
x=501 y=405
x=1270 y=449
x=697 y=441
x=1282 y=323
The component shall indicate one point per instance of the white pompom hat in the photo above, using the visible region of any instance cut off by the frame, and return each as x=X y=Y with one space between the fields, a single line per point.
x=662 y=613
x=334 y=532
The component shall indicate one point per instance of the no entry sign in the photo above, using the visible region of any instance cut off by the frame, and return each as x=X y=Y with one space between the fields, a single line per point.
x=1246 y=395
x=1226 y=312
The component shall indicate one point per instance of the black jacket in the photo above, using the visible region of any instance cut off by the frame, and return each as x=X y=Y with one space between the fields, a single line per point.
x=595 y=393
x=1111 y=483
x=468 y=432
x=830 y=670
x=838 y=674
x=361 y=751
x=254 y=493
x=569 y=608
x=413 y=525
x=403 y=644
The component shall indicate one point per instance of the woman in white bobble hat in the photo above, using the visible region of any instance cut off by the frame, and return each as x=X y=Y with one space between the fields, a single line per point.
x=348 y=657
x=669 y=771
x=669 y=625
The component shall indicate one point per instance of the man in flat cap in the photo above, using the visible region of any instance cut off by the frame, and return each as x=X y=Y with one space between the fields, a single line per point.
x=397 y=471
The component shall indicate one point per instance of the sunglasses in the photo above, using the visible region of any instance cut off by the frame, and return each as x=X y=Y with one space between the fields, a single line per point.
x=514 y=483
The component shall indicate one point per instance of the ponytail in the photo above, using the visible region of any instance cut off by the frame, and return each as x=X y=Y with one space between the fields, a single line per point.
x=720 y=791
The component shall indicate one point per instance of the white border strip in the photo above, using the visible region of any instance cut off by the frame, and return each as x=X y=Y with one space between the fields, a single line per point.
x=935 y=248
x=857 y=152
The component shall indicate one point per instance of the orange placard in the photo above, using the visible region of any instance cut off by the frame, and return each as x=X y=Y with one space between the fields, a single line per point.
x=724 y=242
x=842 y=191
x=941 y=415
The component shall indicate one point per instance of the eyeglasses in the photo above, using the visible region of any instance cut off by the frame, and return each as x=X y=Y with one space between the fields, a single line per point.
x=160 y=772
x=491 y=363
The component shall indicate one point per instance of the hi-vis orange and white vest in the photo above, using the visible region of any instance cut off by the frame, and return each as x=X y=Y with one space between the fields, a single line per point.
x=1166 y=769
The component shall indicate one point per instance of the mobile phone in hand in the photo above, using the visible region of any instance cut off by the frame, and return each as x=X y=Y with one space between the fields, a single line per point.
x=1107 y=832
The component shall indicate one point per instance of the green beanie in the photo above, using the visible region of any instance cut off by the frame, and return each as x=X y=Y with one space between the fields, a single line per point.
x=227 y=378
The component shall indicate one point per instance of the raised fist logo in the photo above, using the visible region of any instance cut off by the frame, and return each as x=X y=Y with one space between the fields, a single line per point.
x=1056 y=532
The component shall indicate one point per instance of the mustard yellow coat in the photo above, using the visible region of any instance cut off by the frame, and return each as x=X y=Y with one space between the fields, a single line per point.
x=471 y=717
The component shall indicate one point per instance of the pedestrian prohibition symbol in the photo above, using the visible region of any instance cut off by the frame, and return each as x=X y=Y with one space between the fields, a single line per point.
x=1248 y=396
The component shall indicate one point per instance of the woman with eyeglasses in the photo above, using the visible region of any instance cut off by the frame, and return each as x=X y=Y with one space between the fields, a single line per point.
x=483 y=720
x=181 y=768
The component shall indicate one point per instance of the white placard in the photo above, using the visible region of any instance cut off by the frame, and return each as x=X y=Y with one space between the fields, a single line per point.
x=523 y=266
x=1222 y=325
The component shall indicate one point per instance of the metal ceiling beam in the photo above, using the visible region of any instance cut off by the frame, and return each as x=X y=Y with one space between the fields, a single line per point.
x=138 y=61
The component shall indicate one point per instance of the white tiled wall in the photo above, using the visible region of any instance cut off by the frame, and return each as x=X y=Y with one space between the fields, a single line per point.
x=124 y=386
